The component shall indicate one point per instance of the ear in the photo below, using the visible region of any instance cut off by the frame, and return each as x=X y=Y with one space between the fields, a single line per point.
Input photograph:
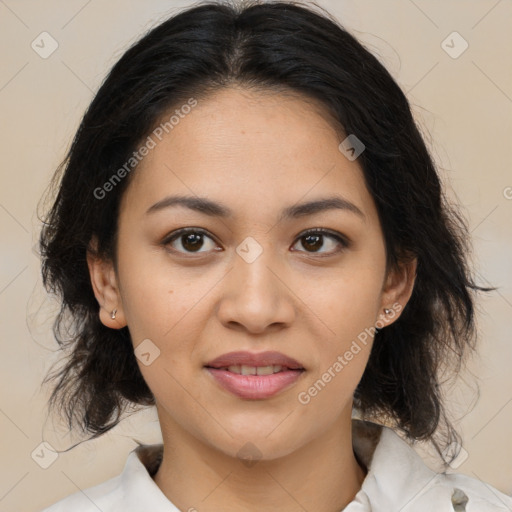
x=105 y=287
x=397 y=291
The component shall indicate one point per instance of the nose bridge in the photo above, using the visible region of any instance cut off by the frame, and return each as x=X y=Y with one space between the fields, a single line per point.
x=252 y=265
x=255 y=296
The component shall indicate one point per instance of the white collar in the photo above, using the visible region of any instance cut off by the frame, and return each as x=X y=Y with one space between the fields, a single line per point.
x=397 y=480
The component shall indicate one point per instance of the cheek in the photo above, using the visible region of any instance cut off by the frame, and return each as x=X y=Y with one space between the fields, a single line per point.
x=161 y=306
x=349 y=307
x=155 y=296
x=342 y=360
x=349 y=303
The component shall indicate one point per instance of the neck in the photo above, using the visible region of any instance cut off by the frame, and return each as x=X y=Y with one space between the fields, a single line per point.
x=323 y=475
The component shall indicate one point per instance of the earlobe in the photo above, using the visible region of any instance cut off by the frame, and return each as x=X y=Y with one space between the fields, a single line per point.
x=104 y=285
x=113 y=319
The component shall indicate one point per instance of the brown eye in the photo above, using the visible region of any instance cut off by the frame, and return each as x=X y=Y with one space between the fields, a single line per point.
x=188 y=241
x=313 y=241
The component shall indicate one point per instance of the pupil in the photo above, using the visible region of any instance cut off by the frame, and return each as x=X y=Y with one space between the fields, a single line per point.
x=311 y=239
x=192 y=241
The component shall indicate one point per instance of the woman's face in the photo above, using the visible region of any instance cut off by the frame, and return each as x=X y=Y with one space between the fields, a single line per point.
x=251 y=280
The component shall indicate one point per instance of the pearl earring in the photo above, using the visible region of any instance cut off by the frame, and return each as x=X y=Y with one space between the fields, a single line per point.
x=113 y=314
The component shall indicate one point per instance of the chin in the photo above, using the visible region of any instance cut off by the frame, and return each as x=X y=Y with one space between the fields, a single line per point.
x=253 y=444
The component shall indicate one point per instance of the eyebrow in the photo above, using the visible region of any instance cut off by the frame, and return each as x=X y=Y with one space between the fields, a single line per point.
x=213 y=209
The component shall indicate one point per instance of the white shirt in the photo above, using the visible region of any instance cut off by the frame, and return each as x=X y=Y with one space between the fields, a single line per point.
x=397 y=481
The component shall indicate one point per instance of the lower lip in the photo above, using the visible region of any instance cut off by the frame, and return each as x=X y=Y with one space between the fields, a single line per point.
x=255 y=387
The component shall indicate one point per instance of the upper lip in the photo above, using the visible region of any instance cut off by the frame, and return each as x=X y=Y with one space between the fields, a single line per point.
x=255 y=359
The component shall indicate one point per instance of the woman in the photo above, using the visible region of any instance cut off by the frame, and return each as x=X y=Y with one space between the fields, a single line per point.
x=250 y=234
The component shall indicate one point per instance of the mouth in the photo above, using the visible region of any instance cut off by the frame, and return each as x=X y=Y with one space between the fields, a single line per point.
x=255 y=376
x=254 y=370
x=254 y=360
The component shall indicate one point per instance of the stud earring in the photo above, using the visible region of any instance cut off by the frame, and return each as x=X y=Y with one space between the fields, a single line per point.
x=113 y=314
x=387 y=311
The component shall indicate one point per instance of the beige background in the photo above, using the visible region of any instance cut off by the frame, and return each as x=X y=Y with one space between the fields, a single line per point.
x=464 y=106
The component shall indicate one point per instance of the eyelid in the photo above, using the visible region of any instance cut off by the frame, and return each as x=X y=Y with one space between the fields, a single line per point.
x=343 y=239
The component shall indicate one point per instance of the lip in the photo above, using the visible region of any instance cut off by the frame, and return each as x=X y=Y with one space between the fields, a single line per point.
x=255 y=359
x=255 y=387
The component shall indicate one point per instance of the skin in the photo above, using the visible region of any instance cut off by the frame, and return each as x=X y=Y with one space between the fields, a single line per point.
x=256 y=153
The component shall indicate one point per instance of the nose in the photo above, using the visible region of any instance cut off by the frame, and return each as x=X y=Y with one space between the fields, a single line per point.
x=255 y=296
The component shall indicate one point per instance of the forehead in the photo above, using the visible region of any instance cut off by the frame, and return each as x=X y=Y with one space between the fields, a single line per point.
x=252 y=149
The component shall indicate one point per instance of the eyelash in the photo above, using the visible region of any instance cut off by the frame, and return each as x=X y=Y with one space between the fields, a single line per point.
x=343 y=241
